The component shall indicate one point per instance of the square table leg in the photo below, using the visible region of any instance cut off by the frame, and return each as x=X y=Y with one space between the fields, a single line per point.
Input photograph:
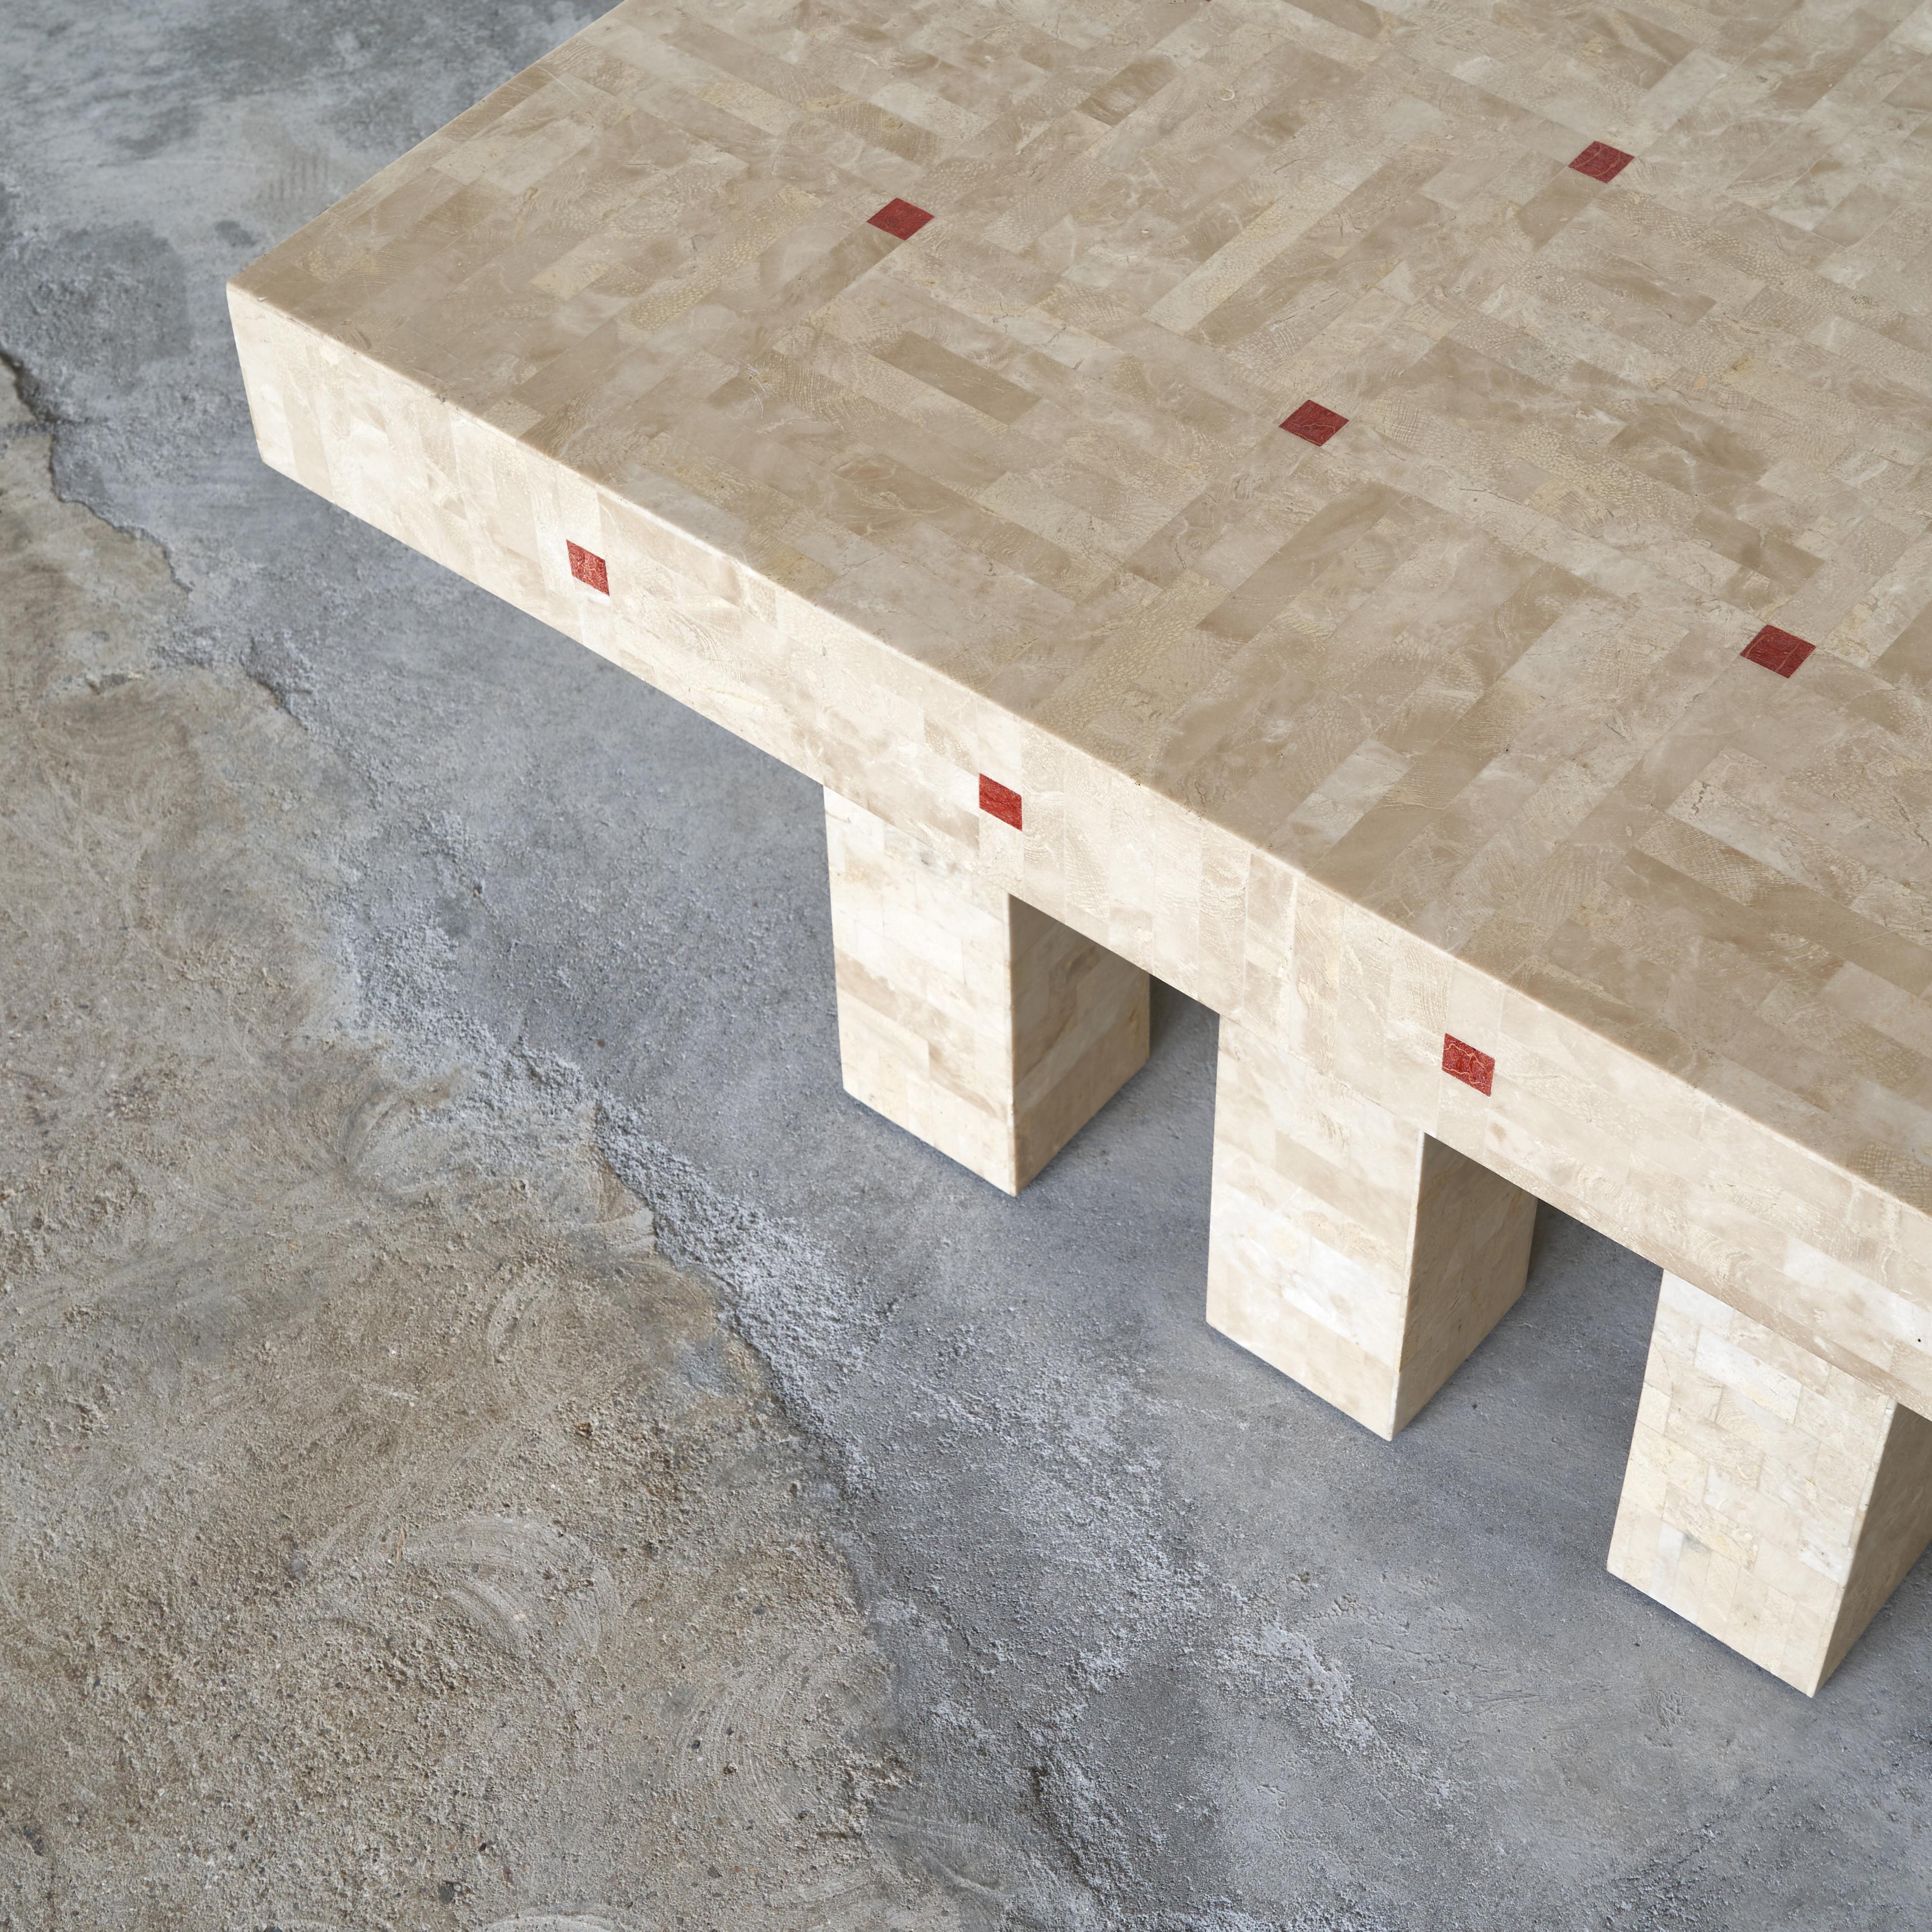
x=992 y=1032
x=1346 y=1246
x=1771 y=1498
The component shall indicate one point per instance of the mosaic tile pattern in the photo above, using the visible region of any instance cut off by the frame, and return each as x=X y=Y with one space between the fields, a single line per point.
x=990 y=1030
x=1772 y=1500
x=1356 y=1253
x=1441 y=725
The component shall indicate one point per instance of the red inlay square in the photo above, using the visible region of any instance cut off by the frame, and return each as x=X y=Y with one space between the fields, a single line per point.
x=1602 y=162
x=1002 y=802
x=1473 y=1068
x=1778 y=650
x=587 y=567
x=901 y=218
x=1315 y=424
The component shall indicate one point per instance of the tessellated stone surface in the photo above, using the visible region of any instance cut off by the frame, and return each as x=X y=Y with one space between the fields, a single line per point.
x=1336 y=469
x=1355 y=1253
x=1772 y=1500
x=965 y=1016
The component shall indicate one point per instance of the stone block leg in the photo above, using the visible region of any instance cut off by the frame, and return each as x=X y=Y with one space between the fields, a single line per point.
x=1771 y=1498
x=1346 y=1246
x=989 y=1029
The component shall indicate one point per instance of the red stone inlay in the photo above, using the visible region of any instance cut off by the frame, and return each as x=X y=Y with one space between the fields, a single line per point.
x=1473 y=1068
x=587 y=567
x=901 y=218
x=1602 y=162
x=1315 y=424
x=1778 y=650
x=1001 y=801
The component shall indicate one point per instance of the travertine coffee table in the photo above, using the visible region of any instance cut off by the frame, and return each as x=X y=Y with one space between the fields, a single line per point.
x=1410 y=524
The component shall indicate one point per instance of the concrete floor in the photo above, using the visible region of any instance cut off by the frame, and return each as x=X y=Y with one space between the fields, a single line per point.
x=493 y=1437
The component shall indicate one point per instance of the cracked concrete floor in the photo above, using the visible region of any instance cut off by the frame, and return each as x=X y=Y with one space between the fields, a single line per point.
x=493 y=1438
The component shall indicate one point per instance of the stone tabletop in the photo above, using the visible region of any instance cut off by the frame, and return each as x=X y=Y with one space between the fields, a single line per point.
x=1419 y=506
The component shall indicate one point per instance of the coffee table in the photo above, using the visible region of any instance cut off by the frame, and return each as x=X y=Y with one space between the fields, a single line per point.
x=1412 y=524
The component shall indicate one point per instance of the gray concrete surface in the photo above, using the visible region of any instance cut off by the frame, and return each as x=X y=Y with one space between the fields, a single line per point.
x=493 y=1437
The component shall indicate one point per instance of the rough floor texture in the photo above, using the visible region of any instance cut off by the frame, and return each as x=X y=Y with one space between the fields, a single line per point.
x=393 y=1533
